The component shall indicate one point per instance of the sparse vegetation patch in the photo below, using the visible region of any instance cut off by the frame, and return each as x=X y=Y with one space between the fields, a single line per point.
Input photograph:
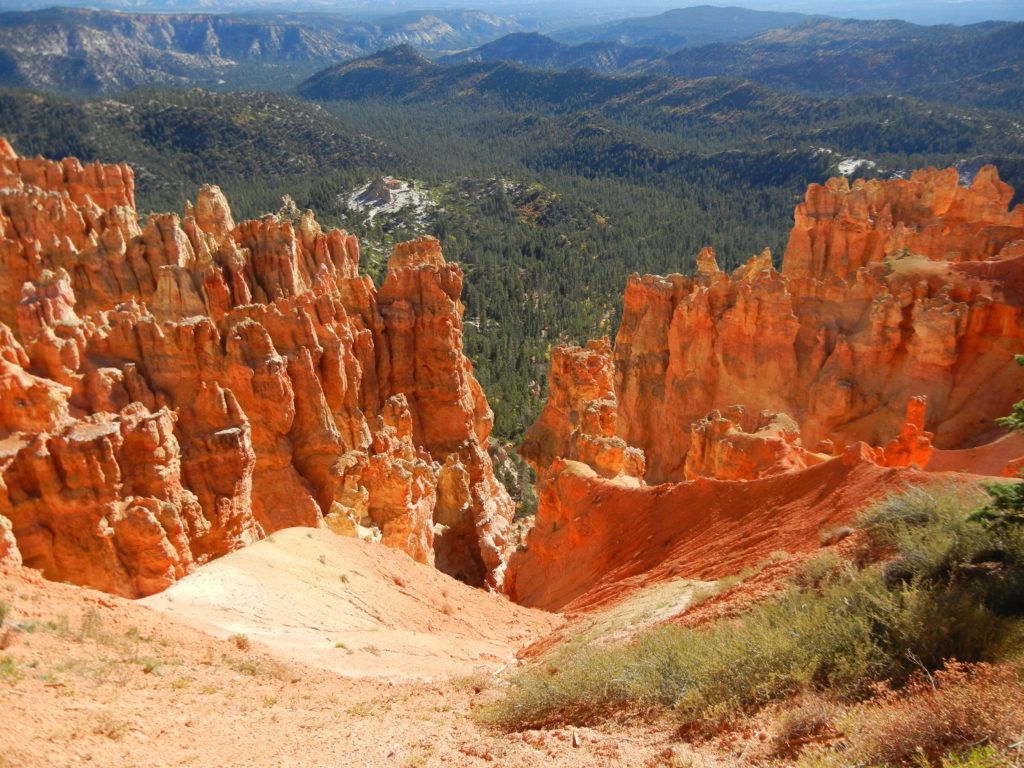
x=939 y=719
x=929 y=585
x=9 y=670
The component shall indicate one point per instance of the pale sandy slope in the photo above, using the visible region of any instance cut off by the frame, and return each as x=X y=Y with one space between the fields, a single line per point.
x=354 y=608
x=332 y=670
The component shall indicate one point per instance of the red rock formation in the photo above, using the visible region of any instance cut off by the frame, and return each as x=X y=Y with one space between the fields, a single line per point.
x=894 y=296
x=889 y=290
x=403 y=484
x=912 y=445
x=100 y=503
x=27 y=403
x=839 y=230
x=579 y=422
x=263 y=382
x=451 y=420
x=735 y=446
x=9 y=552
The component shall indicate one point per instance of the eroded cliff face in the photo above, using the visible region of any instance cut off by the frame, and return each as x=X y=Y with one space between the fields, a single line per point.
x=889 y=332
x=175 y=389
x=889 y=291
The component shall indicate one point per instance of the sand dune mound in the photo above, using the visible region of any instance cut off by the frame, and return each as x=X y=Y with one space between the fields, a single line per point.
x=351 y=607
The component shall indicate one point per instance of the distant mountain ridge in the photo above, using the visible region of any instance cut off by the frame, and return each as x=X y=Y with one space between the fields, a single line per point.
x=718 y=105
x=402 y=73
x=84 y=51
x=684 y=27
x=981 y=64
x=541 y=52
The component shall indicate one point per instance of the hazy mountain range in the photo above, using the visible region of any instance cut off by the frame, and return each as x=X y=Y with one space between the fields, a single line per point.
x=576 y=13
x=81 y=51
x=981 y=64
x=683 y=27
x=78 y=50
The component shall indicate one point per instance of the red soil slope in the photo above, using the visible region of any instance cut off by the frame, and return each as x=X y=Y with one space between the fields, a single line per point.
x=618 y=538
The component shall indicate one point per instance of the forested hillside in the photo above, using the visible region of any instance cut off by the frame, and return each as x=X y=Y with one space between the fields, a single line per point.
x=177 y=140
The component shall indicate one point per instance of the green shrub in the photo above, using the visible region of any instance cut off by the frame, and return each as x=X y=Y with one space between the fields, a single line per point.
x=792 y=643
x=978 y=757
x=824 y=568
x=1006 y=507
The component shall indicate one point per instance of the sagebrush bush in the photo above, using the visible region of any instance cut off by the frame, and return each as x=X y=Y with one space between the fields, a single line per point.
x=927 y=530
x=825 y=567
x=936 y=537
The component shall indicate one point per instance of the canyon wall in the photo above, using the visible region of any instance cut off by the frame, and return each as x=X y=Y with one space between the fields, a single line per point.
x=171 y=390
x=888 y=336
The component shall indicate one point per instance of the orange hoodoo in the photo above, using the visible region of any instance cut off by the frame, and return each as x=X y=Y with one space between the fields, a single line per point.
x=172 y=392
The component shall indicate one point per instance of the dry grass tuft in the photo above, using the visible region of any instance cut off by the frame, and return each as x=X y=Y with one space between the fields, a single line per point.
x=810 y=721
x=92 y=627
x=111 y=727
x=477 y=682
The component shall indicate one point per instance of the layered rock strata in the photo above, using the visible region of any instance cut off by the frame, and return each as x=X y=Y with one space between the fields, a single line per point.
x=174 y=389
x=889 y=332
